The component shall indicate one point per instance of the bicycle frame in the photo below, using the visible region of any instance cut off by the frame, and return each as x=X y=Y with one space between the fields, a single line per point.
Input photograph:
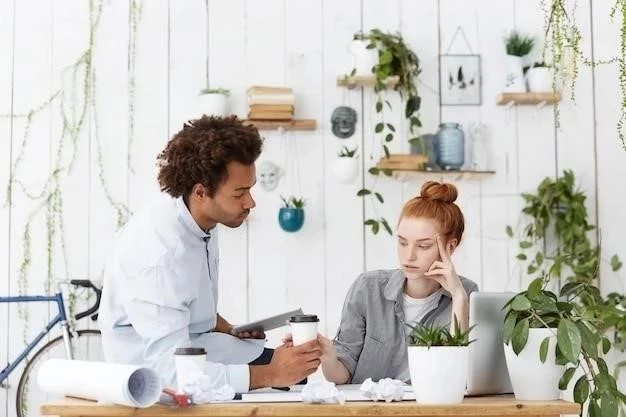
x=59 y=318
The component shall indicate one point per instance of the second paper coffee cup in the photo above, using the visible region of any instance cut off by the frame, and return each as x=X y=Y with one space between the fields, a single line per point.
x=189 y=361
x=303 y=328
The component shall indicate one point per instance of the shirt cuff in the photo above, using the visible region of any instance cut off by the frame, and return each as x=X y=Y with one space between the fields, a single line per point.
x=239 y=377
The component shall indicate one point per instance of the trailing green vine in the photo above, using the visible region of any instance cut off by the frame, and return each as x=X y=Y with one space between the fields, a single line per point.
x=395 y=58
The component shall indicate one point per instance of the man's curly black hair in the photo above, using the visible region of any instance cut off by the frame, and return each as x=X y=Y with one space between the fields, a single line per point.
x=201 y=151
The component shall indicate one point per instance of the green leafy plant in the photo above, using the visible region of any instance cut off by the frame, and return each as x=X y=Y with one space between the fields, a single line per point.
x=578 y=342
x=293 y=202
x=518 y=44
x=395 y=58
x=346 y=152
x=434 y=335
x=215 y=91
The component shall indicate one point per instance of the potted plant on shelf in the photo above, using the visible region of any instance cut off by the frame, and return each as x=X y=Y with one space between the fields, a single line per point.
x=438 y=363
x=346 y=165
x=214 y=101
x=364 y=58
x=575 y=329
x=539 y=78
x=517 y=47
x=394 y=58
x=291 y=214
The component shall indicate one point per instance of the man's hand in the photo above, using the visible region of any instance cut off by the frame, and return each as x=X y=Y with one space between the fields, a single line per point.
x=289 y=365
x=254 y=334
x=326 y=346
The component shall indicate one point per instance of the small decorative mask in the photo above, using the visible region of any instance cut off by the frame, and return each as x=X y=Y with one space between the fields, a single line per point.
x=269 y=175
x=343 y=122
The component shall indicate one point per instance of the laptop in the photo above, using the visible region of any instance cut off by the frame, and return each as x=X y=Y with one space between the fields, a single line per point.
x=487 y=373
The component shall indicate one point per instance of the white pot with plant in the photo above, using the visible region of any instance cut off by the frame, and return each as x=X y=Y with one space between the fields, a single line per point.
x=438 y=364
x=517 y=47
x=214 y=101
x=364 y=57
x=539 y=78
x=346 y=165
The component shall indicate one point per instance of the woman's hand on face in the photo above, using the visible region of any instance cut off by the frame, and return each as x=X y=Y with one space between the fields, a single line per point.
x=444 y=273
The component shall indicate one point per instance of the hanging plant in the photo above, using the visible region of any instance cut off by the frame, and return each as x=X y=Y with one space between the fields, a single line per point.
x=291 y=214
x=395 y=58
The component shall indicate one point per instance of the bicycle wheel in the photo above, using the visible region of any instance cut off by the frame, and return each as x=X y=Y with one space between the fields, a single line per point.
x=86 y=345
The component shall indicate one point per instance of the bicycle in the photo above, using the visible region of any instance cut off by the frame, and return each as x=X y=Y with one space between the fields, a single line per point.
x=77 y=344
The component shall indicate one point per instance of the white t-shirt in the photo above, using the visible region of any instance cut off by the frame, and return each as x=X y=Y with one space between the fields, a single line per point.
x=416 y=308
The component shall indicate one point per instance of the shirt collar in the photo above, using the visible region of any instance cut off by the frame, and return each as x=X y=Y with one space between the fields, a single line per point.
x=394 y=288
x=184 y=215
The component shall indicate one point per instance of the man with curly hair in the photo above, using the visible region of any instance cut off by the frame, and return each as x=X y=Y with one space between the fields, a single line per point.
x=160 y=285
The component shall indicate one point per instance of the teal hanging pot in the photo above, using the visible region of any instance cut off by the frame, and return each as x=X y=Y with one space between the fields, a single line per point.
x=291 y=219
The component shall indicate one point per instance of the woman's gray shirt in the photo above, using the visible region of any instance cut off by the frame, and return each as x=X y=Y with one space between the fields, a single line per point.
x=372 y=341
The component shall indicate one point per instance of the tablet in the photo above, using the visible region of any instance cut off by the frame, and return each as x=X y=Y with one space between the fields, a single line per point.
x=269 y=323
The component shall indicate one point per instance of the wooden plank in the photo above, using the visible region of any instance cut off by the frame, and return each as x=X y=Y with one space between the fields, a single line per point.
x=353 y=81
x=295 y=124
x=502 y=405
x=528 y=98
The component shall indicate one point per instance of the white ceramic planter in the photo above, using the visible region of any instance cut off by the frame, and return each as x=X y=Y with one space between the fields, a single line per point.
x=515 y=82
x=532 y=379
x=539 y=79
x=214 y=104
x=346 y=169
x=438 y=374
x=363 y=59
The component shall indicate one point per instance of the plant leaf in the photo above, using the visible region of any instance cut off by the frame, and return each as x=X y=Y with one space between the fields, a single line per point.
x=509 y=325
x=535 y=288
x=379 y=106
x=386 y=149
x=581 y=390
x=569 y=340
x=375 y=228
x=509 y=231
x=362 y=192
x=379 y=197
x=520 y=336
x=391 y=127
x=594 y=408
x=374 y=171
x=615 y=263
x=566 y=378
x=521 y=257
x=379 y=127
x=389 y=137
x=589 y=341
x=525 y=244
x=388 y=172
x=386 y=226
x=608 y=405
x=543 y=349
x=520 y=303
x=606 y=345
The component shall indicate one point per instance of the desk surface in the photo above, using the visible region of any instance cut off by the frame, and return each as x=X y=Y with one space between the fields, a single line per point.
x=502 y=405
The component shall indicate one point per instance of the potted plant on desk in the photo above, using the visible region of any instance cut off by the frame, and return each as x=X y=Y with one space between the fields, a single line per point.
x=438 y=363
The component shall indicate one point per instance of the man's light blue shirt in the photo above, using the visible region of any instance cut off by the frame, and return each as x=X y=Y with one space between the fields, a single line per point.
x=160 y=292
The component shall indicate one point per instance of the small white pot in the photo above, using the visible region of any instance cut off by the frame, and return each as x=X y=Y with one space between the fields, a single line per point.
x=214 y=104
x=346 y=169
x=539 y=79
x=438 y=374
x=532 y=379
x=515 y=82
x=363 y=59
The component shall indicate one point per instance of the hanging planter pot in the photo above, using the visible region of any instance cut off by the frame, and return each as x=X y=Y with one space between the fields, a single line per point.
x=291 y=215
x=346 y=166
x=363 y=59
x=214 y=102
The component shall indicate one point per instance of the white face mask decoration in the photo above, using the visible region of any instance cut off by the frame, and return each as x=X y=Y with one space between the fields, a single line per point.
x=269 y=175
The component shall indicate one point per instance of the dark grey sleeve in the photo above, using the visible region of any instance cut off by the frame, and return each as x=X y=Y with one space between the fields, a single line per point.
x=351 y=333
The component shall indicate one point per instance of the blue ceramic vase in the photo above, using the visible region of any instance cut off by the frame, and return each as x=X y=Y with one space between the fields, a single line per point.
x=291 y=219
x=450 y=146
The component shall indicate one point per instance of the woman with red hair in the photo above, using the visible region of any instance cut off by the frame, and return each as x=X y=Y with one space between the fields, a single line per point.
x=382 y=306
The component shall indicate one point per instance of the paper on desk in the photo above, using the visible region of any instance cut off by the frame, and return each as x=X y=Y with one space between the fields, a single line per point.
x=352 y=393
x=129 y=385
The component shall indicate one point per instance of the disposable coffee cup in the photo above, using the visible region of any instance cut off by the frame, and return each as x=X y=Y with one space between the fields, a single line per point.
x=303 y=328
x=189 y=362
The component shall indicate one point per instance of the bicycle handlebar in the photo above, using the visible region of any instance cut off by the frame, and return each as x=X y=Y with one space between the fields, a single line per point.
x=85 y=283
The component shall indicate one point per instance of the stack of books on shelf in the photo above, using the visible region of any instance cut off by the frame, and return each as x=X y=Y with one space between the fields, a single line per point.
x=270 y=103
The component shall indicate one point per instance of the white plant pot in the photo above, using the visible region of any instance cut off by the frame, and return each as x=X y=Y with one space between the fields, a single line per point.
x=438 y=374
x=515 y=82
x=214 y=104
x=532 y=379
x=346 y=169
x=539 y=79
x=363 y=59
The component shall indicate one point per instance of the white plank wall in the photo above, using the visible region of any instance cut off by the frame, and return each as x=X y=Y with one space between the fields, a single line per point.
x=183 y=46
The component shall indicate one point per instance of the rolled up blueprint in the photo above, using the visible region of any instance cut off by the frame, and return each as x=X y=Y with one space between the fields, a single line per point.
x=129 y=385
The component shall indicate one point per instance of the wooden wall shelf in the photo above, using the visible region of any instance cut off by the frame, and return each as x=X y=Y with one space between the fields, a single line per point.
x=417 y=175
x=505 y=99
x=365 y=81
x=296 y=124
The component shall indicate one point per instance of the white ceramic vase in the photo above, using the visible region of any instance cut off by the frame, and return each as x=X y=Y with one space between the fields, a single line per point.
x=363 y=59
x=438 y=374
x=214 y=104
x=531 y=379
x=515 y=82
x=539 y=79
x=346 y=169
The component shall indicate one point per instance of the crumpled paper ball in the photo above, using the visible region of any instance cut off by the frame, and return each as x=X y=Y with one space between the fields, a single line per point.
x=386 y=389
x=202 y=390
x=322 y=392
